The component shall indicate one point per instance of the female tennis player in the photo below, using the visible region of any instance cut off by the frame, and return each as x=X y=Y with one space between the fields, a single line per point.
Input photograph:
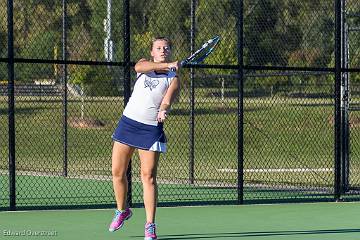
x=141 y=127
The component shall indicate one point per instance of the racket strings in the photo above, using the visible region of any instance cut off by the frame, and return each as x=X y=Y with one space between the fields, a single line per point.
x=203 y=52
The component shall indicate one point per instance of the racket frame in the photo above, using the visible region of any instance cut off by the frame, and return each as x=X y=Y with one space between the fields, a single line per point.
x=189 y=59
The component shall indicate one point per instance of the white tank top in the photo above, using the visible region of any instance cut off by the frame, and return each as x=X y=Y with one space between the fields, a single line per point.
x=149 y=91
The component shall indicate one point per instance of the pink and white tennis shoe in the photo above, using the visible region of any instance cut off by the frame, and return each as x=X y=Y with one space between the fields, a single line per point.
x=119 y=219
x=150 y=231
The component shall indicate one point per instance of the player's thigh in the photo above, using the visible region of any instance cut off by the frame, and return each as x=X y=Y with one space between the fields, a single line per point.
x=121 y=156
x=149 y=162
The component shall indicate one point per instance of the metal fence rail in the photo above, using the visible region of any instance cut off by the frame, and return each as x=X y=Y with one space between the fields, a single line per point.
x=271 y=116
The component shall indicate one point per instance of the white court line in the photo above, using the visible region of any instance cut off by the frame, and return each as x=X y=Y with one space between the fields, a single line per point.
x=277 y=170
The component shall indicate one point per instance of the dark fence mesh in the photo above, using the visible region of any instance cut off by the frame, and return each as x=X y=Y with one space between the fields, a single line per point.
x=288 y=137
x=351 y=35
x=4 y=152
x=289 y=144
x=354 y=129
x=289 y=33
x=4 y=130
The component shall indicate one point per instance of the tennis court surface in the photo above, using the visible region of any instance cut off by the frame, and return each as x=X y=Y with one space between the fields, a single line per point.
x=279 y=221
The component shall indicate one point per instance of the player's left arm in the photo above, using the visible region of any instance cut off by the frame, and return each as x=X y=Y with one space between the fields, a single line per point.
x=170 y=95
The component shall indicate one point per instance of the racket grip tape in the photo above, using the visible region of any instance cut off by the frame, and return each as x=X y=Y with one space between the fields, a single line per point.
x=182 y=63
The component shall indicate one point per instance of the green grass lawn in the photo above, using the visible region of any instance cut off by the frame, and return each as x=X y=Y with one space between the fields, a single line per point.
x=279 y=133
x=47 y=191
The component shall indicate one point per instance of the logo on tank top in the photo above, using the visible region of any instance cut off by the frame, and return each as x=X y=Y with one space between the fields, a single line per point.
x=151 y=83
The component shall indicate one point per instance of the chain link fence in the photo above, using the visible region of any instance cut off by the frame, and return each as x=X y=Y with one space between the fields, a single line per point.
x=269 y=135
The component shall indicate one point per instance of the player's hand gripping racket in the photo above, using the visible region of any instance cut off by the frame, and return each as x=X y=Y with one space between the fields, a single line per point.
x=199 y=56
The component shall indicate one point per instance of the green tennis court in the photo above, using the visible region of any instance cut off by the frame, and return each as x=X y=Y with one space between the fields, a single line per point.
x=280 y=221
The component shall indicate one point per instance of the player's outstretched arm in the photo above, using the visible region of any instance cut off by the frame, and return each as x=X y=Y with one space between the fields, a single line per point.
x=144 y=66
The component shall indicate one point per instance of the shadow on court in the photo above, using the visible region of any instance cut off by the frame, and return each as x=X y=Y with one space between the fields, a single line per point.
x=256 y=234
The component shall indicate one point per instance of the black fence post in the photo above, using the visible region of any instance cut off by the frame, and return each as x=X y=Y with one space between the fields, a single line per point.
x=127 y=87
x=192 y=97
x=337 y=114
x=240 y=56
x=64 y=90
x=11 y=104
x=345 y=131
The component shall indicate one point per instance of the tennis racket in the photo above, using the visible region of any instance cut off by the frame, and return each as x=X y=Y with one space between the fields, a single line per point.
x=199 y=56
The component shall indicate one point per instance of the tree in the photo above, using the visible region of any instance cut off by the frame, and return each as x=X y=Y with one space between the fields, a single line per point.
x=3 y=52
x=262 y=39
x=165 y=19
x=218 y=18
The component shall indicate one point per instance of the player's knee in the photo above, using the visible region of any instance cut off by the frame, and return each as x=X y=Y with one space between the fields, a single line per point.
x=119 y=175
x=148 y=177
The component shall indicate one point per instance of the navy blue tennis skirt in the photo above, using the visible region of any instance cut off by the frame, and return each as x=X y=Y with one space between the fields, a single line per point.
x=140 y=135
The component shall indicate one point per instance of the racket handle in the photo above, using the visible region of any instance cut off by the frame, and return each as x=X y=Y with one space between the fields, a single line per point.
x=182 y=63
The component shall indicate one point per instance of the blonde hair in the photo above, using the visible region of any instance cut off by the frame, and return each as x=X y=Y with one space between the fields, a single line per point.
x=163 y=39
